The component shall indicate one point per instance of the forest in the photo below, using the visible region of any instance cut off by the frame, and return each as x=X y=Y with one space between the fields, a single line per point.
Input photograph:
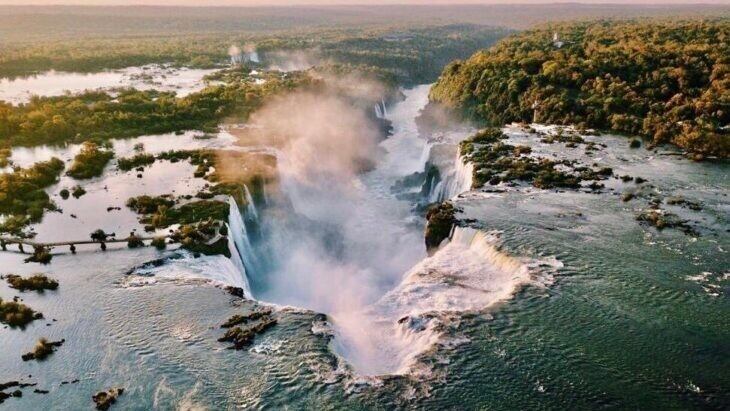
x=414 y=55
x=100 y=115
x=667 y=81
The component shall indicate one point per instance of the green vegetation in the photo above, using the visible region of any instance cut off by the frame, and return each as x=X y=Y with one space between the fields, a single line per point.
x=412 y=53
x=149 y=205
x=667 y=81
x=78 y=191
x=496 y=162
x=160 y=211
x=203 y=159
x=5 y=154
x=90 y=161
x=98 y=115
x=138 y=160
x=203 y=237
x=40 y=255
x=440 y=219
x=22 y=196
x=104 y=399
x=188 y=213
x=159 y=243
x=43 y=348
x=408 y=56
x=195 y=211
x=134 y=241
x=16 y=314
x=36 y=282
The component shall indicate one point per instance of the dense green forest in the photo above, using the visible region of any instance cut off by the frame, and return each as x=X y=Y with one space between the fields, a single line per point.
x=667 y=81
x=414 y=55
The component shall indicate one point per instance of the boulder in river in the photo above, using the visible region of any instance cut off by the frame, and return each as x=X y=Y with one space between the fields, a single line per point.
x=440 y=221
x=105 y=399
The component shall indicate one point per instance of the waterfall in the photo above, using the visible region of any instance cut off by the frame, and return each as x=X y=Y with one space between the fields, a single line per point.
x=381 y=111
x=464 y=178
x=251 y=212
x=253 y=57
x=378 y=111
x=456 y=181
x=425 y=155
x=484 y=245
x=238 y=263
x=237 y=232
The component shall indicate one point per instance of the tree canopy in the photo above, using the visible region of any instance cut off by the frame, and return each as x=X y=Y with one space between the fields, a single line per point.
x=667 y=81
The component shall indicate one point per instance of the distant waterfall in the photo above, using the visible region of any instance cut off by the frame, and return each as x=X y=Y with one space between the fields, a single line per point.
x=251 y=212
x=238 y=263
x=456 y=181
x=380 y=110
x=238 y=233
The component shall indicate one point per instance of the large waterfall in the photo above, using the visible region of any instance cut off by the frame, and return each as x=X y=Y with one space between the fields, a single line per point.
x=389 y=335
x=242 y=252
x=251 y=212
x=457 y=179
x=341 y=243
x=381 y=111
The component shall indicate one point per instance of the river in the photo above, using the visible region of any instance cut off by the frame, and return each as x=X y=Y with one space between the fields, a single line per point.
x=544 y=299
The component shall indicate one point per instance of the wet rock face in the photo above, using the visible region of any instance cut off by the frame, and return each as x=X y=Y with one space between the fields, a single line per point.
x=105 y=399
x=440 y=220
x=42 y=350
x=242 y=329
x=661 y=219
x=12 y=389
x=235 y=291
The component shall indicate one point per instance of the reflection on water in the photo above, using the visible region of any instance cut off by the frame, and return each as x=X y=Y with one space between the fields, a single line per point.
x=182 y=81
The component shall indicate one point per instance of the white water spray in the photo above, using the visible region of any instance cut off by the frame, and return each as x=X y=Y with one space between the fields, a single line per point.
x=455 y=180
x=238 y=233
x=342 y=244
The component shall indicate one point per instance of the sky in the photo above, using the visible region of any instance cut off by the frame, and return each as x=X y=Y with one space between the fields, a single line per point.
x=340 y=2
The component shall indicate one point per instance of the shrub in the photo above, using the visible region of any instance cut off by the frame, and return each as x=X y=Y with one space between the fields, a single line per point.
x=90 y=162
x=36 y=282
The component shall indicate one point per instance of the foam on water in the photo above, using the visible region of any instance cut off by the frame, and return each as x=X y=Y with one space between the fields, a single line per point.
x=467 y=273
x=215 y=269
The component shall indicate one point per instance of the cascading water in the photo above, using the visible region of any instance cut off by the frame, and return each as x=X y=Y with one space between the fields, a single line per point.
x=251 y=212
x=340 y=243
x=238 y=263
x=238 y=237
x=457 y=180
x=467 y=273
x=381 y=111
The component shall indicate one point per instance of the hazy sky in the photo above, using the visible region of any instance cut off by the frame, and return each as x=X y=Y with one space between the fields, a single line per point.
x=324 y=2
